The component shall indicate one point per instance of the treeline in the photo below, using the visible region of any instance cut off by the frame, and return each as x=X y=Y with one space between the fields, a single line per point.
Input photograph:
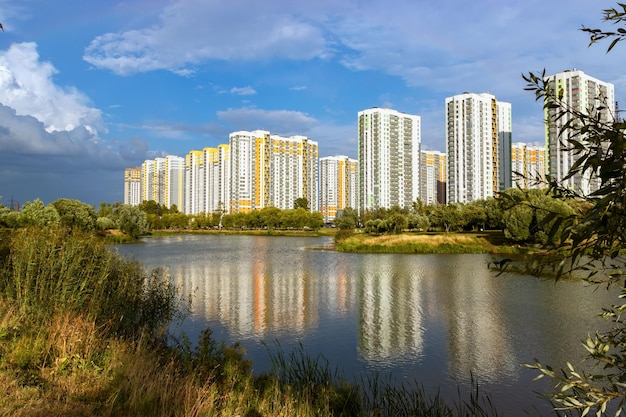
x=525 y=216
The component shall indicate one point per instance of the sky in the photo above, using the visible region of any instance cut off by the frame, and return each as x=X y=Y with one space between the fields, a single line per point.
x=88 y=88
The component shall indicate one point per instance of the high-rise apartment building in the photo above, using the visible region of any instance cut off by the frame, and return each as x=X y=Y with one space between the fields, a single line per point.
x=194 y=182
x=433 y=168
x=173 y=184
x=478 y=145
x=528 y=165
x=148 y=185
x=338 y=185
x=207 y=180
x=271 y=170
x=132 y=186
x=581 y=93
x=389 y=145
x=162 y=181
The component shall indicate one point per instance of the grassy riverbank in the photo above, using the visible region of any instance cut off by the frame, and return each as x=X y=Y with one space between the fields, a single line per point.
x=486 y=242
x=82 y=334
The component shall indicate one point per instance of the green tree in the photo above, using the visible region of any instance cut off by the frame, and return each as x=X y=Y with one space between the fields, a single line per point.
x=301 y=202
x=315 y=221
x=105 y=223
x=131 y=220
x=418 y=222
x=35 y=213
x=447 y=217
x=270 y=217
x=592 y=239
x=473 y=216
x=151 y=207
x=396 y=222
x=347 y=220
x=75 y=214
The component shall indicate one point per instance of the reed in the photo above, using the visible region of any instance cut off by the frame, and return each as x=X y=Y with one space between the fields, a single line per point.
x=51 y=270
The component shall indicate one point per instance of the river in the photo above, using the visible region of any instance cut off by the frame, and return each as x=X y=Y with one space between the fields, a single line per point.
x=435 y=319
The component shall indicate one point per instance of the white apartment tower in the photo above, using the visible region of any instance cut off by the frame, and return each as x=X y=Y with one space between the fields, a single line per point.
x=388 y=149
x=174 y=185
x=582 y=93
x=162 y=181
x=478 y=145
x=338 y=185
x=194 y=182
x=207 y=180
x=148 y=185
x=132 y=186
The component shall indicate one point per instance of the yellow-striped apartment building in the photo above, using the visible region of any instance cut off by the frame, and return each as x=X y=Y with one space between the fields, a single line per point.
x=528 y=165
x=272 y=171
x=339 y=176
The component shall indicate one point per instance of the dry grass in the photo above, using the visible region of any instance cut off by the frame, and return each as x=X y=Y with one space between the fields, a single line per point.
x=421 y=243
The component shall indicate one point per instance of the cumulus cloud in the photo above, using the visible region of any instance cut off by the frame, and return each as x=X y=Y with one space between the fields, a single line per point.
x=286 y=122
x=50 y=135
x=193 y=31
x=26 y=85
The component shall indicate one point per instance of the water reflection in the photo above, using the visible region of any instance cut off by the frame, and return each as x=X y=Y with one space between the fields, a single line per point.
x=439 y=317
x=390 y=319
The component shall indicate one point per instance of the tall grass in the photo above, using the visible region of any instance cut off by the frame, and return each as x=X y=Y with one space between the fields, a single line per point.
x=50 y=270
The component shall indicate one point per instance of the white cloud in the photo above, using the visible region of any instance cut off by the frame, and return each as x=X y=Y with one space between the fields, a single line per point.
x=243 y=91
x=26 y=85
x=194 y=31
x=39 y=119
x=285 y=122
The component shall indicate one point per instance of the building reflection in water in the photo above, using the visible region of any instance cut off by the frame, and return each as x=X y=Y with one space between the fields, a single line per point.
x=390 y=314
x=440 y=316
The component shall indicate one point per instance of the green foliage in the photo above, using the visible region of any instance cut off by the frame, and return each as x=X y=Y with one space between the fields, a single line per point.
x=396 y=222
x=447 y=217
x=593 y=238
x=348 y=219
x=105 y=223
x=302 y=203
x=75 y=214
x=130 y=220
x=36 y=214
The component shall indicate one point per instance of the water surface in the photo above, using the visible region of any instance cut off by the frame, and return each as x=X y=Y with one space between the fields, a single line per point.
x=436 y=319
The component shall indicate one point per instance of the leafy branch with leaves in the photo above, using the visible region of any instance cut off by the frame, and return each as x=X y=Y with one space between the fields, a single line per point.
x=592 y=239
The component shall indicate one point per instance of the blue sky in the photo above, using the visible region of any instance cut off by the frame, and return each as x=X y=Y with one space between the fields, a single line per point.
x=88 y=88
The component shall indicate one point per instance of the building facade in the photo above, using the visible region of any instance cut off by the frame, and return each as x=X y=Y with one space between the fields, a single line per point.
x=433 y=169
x=580 y=93
x=528 y=165
x=271 y=170
x=478 y=146
x=338 y=179
x=388 y=157
x=132 y=186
